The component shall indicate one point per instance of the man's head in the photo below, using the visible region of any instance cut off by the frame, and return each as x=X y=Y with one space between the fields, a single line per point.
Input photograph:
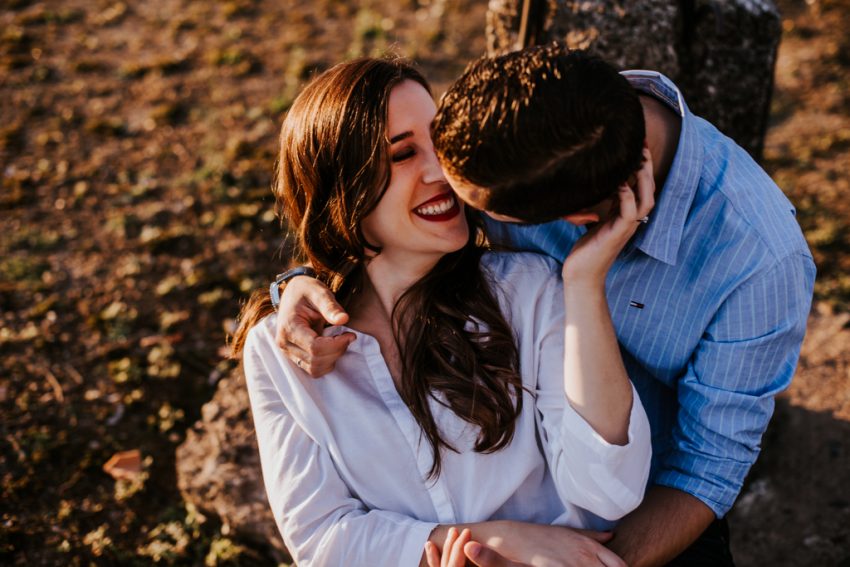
x=539 y=134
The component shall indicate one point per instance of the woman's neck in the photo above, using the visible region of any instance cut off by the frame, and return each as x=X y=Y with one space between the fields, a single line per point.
x=371 y=310
x=387 y=279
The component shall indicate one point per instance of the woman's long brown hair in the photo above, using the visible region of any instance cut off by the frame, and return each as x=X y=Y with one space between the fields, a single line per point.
x=454 y=342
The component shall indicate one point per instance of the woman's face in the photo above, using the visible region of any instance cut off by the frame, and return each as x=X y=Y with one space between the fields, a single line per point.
x=419 y=217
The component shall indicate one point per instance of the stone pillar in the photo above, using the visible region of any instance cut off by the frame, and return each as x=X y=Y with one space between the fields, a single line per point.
x=720 y=52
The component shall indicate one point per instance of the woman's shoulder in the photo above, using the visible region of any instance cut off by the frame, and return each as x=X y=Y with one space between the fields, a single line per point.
x=520 y=265
x=261 y=336
x=261 y=356
x=520 y=278
x=528 y=286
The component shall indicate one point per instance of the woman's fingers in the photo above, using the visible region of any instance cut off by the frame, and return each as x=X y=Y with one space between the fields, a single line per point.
x=447 y=546
x=645 y=186
x=432 y=555
x=306 y=305
x=636 y=203
x=457 y=557
x=601 y=537
x=322 y=355
x=628 y=203
x=304 y=346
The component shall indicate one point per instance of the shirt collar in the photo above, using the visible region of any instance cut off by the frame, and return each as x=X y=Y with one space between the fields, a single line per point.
x=662 y=237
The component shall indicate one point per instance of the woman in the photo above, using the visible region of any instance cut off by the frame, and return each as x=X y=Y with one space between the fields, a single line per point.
x=460 y=402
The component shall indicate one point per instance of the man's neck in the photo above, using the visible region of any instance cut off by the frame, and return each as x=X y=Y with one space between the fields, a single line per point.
x=663 y=127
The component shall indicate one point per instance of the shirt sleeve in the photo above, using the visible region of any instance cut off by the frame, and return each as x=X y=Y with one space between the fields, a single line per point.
x=747 y=355
x=321 y=521
x=605 y=479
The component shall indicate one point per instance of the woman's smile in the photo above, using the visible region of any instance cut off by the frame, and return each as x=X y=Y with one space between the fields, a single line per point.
x=441 y=208
x=419 y=218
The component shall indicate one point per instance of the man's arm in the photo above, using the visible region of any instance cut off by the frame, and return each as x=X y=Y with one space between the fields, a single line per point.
x=748 y=354
x=662 y=527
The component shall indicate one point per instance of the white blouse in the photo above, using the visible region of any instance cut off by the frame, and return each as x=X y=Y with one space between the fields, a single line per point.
x=345 y=464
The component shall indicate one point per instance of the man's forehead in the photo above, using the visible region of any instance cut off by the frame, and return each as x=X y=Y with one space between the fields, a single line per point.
x=475 y=193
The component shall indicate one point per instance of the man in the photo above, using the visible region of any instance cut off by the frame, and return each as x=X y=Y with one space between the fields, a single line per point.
x=709 y=299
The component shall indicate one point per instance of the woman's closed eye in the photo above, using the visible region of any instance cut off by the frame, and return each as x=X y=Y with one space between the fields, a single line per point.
x=403 y=154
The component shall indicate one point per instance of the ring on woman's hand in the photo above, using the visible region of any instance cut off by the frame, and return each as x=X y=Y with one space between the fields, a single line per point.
x=644 y=220
x=299 y=364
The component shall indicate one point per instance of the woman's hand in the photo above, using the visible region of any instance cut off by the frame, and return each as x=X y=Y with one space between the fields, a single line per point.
x=453 y=554
x=595 y=252
x=518 y=544
x=535 y=545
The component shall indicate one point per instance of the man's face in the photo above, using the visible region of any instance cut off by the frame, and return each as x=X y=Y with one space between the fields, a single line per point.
x=476 y=196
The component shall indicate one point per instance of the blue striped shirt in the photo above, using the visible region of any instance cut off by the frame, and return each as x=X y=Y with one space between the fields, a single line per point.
x=710 y=301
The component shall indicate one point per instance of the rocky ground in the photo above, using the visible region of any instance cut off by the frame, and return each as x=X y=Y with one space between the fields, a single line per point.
x=796 y=507
x=137 y=144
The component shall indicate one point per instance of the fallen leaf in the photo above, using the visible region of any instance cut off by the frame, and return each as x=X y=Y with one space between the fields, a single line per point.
x=125 y=465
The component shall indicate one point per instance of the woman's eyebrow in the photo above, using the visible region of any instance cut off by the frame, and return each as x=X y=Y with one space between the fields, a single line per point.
x=400 y=137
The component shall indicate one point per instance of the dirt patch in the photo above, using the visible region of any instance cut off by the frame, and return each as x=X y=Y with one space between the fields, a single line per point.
x=137 y=143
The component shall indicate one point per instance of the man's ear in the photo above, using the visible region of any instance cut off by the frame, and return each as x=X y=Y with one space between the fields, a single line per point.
x=582 y=218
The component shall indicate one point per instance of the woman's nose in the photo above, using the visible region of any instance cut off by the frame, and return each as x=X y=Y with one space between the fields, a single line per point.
x=432 y=170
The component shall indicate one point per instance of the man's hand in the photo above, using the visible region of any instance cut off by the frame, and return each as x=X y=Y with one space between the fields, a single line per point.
x=306 y=306
x=529 y=545
x=483 y=556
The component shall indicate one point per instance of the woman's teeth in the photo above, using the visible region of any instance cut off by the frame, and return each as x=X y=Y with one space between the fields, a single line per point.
x=437 y=208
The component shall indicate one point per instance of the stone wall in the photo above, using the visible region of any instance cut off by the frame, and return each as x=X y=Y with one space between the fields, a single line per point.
x=720 y=52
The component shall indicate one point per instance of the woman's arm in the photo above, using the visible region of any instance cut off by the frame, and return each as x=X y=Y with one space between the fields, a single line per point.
x=321 y=521
x=595 y=433
x=595 y=380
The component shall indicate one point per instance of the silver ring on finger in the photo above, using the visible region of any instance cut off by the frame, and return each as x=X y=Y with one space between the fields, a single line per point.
x=644 y=220
x=299 y=363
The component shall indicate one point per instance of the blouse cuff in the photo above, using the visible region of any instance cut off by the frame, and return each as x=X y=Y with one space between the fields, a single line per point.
x=414 y=546
x=577 y=432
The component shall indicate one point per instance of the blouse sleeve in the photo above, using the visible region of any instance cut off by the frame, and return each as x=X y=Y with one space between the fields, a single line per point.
x=321 y=521
x=605 y=479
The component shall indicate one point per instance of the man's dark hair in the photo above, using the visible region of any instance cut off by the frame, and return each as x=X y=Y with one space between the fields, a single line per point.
x=547 y=131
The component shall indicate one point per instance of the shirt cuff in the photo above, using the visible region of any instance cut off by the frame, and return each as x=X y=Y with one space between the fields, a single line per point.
x=719 y=495
x=612 y=477
x=414 y=544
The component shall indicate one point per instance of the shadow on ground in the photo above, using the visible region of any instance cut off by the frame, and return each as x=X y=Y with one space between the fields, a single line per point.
x=795 y=508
